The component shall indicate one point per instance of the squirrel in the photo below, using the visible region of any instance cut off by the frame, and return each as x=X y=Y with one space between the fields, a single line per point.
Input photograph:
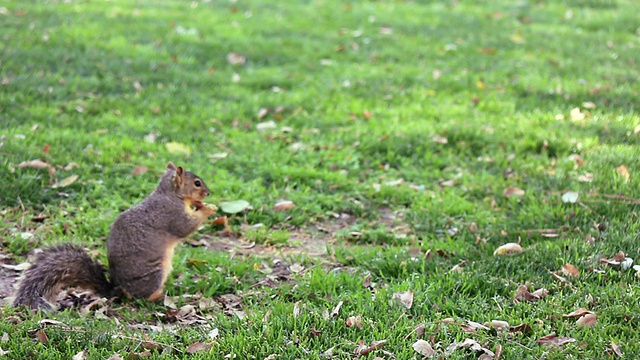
x=140 y=247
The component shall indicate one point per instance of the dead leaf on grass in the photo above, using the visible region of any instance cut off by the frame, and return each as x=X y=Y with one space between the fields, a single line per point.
x=513 y=192
x=553 y=340
x=42 y=337
x=508 y=249
x=284 y=205
x=178 y=148
x=4 y=352
x=498 y=325
x=577 y=313
x=336 y=310
x=576 y=114
x=236 y=59
x=65 y=182
x=570 y=270
x=520 y=328
x=440 y=139
x=623 y=172
x=523 y=293
x=354 y=321
x=36 y=164
x=616 y=260
x=198 y=347
x=588 y=320
x=404 y=297
x=616 y=349
x=115 y=356
x=423 y=348
x=79 y=356
x=139 y=170
x=468 y=344
x=362 y=349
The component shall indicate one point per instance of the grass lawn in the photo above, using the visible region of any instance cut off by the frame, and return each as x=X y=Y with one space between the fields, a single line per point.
x=413 y=138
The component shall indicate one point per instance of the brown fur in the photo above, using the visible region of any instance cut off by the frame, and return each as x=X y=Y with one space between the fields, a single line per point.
x=140 y=246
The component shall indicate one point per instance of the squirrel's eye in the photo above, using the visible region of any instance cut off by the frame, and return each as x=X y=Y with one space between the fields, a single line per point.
x=198 y=183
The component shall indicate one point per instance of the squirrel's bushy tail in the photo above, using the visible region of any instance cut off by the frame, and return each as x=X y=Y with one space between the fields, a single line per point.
x=56 y=268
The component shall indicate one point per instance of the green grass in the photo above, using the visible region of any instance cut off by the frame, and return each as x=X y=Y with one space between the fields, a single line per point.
x=358 y=92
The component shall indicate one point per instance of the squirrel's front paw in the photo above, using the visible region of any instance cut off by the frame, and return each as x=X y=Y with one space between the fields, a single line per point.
x=209 y=209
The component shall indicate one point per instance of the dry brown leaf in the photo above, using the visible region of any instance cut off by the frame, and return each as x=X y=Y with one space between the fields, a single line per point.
x=520 y=328
x=552 y=339
x=423 y=348
x=139 y=170
x=513 y=192
x=577 y=313
x=616 y=349
x=284 y=205
x=367 y=281
x=508 y=249
x=79 y=356
x=42 y=337
x=523 y=293
x=236 y=59
x=404 y=297
x=570 y=270
x=616 y=260
x=363 y=349
x=468 y=344
x=354 y=321
x=588 y=320
x=588 y=105
x=198 y=347
x=623 y=172
x=577 y=159
x=115 y=356
x=336 y=310
x=262 y=112
x=498 y=325
x=36 y=164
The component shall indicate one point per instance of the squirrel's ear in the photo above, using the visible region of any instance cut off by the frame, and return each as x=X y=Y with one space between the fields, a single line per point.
x=170 y=166
x=179 y=176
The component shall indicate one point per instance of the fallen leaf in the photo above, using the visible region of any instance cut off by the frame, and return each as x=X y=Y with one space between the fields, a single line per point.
x=616 y=349
x=570 y=197
x=520 y=328
x=577 y=159
x=198 y=347
x=576 y=115
x=284 y=205
x=65 y=182
x=262 y=112
x=440 y=139
x=79 y=356
x=616 y=260
x=214 y=333
x=423 y=348
x=19 y=267
x=296 y=309
x=623 y=172
x=178 y=148
x=497 y=324
x=507 y=249
x=236 y=59
x=4 y=352
x=42 y=337
x=513 y=192
x=523 y=293
x=139 y=170
x=468 y=344
x=234 y=207
x=588 y=320
x=405 y=298
x=552 y=339
x=588 y=105
x=354 y=321
x=266 y=125
x=36 y=164
x=570 y=270
x=5 y=337
x=577 y=313
x=367 y=281
x=115 y=356
x=362 y=349
x=336 y=310
x=218 y=156
x=586 y=177
x=296 y=268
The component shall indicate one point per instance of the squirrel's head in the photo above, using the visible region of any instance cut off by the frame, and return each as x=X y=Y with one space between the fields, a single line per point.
x=186 y=184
